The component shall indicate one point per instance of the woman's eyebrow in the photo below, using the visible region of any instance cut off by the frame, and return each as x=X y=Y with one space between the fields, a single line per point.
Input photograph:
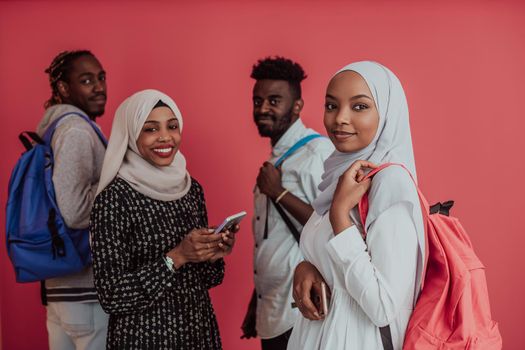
x=157 y=122
x=361 y=96
x=352 y=98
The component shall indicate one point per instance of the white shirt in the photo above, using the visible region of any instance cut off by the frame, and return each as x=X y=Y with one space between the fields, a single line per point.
x=276 y=256
x=372 y=284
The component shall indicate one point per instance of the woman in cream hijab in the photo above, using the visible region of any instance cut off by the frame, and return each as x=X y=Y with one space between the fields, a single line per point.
x=154 y=256
x=374 y=282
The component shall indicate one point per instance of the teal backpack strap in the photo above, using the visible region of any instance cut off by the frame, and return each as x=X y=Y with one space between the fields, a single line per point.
x=293 y=230
x=295 y=147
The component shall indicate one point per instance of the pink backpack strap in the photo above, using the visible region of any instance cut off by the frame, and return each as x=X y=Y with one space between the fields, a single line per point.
x=363 y=206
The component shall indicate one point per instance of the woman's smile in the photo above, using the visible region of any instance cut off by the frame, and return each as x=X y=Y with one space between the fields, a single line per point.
x=341 y=135
x=164 y=151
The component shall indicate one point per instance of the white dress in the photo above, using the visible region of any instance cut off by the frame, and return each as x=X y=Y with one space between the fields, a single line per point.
x=372 y=284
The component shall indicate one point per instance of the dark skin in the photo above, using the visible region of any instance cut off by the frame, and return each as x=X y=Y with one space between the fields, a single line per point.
x=269 y=183
x=85 y=86
x=275 y=109
x=201 y=245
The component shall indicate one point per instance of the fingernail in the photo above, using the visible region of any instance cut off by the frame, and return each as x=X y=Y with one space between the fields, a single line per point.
x=316 y=314
x=210 y=230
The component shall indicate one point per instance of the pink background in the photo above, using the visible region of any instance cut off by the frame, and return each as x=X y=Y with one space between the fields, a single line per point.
x=462 y=65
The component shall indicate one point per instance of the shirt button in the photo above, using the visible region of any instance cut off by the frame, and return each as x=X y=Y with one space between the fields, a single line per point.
x=258 y=218
x=256 y=245
x=259 y=296
x=255 y=272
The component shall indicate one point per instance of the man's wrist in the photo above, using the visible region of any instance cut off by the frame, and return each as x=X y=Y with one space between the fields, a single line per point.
x=281 y=195
x=277 y=192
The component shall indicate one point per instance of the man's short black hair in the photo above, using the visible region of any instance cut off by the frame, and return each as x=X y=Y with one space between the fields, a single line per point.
x=280 y=68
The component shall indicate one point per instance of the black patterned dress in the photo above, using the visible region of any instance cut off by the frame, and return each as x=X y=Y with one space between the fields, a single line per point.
x=150 y=306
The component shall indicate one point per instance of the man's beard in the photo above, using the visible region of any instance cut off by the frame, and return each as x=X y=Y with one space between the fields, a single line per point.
x=279 y=126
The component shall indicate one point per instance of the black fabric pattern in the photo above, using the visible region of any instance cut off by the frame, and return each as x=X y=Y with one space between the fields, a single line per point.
x=150 y=306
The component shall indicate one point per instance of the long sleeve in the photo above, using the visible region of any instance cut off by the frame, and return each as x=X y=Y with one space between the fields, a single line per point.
x=381 y=274
x=213 y=273
x=121 y=288
x=73 y=174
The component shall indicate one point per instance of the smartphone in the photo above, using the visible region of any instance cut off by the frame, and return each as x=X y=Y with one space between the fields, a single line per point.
x=321 y=301
x=230 y=221
x=324 y=300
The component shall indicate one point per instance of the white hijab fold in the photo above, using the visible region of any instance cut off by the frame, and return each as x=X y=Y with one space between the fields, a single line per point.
x=123 y=158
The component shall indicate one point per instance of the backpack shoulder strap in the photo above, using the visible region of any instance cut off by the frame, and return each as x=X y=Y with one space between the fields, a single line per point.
x=363 y=203
x=51 y=128
x=295 y=232
x=29 y=139
x=425 y=209
x=295 y=147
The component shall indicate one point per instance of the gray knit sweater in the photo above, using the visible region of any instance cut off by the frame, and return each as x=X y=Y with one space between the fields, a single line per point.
x=78 y=154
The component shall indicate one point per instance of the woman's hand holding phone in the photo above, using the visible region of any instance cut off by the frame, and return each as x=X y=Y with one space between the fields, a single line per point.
x=197 y=246
x=308 y=290
x=227 y=230
x=227 y=243
x=207 y=244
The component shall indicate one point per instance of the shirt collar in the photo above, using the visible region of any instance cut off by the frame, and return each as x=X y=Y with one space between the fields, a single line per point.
x=294 y=133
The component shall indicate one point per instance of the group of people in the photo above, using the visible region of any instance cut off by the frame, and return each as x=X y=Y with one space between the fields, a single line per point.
x=155 y=256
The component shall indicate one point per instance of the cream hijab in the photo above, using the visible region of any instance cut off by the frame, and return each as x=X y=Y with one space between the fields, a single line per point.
x=123 y=159
x=391 y=144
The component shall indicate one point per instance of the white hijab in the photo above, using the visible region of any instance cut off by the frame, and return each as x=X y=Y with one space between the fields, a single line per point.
x=123 y=159
x=392 y=142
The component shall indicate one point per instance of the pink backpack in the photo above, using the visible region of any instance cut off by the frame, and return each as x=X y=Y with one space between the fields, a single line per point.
x=452 y=311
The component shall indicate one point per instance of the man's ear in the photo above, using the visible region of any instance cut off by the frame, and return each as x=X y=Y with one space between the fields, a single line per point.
x=63 y=88
x=298 y=106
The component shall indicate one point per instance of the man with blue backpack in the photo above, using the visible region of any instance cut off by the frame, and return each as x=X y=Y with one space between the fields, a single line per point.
x=47 y=228
x=286 y=186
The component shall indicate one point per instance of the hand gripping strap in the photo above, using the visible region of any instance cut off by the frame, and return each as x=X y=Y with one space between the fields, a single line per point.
x=363 y=206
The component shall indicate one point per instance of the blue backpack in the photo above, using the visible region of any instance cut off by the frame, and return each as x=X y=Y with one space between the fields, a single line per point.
x=39 y=243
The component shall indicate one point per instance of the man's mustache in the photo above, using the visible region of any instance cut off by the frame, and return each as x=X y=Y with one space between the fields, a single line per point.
x=265 y=116
x=98 y=94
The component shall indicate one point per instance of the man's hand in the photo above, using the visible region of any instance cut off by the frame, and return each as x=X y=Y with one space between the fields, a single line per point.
x=269 y=180
x=248 y=325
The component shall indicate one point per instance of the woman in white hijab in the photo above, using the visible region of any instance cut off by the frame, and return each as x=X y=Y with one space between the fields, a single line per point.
x=373 y=282
x=154 y=256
